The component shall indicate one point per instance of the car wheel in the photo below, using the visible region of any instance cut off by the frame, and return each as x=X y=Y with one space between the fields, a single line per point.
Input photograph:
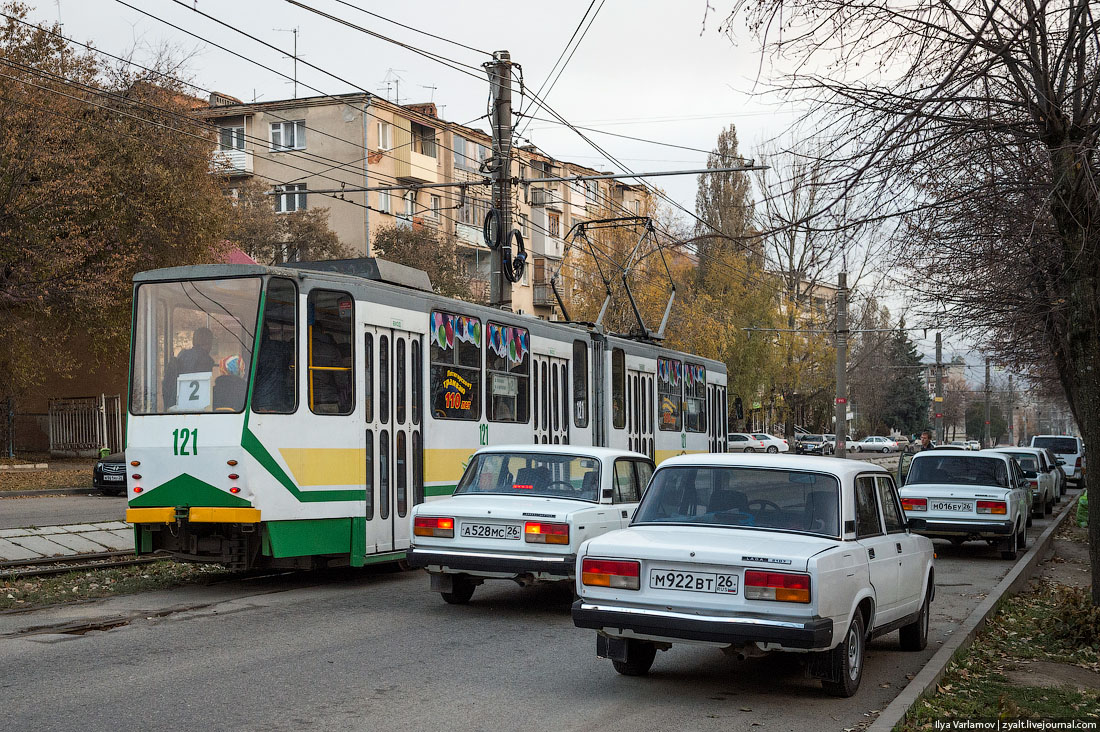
x=859 y=449
x=846 y=661
x=1048 y=507
x=914 y=637
x=750 y=449
x=1011 y=546
x=773 y=449
x=639 y=658
x=885 y=450
x=462 y=589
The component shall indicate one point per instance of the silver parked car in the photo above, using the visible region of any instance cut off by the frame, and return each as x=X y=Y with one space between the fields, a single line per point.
x=743 y=442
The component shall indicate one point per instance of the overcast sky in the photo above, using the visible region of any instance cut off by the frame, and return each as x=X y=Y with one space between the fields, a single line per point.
x=645 y=68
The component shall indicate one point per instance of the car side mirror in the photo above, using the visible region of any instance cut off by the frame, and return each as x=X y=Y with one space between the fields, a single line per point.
x=1060 y=461
x=608 y=493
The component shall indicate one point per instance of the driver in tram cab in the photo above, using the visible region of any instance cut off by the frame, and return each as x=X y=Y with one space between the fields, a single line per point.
x=188 y=361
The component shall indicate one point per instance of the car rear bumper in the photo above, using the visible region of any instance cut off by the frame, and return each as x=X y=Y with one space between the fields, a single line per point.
x=948 y=527
x=470 y=561
x=792 y=632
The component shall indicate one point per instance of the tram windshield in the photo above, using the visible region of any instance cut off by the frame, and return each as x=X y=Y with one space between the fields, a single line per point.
x=192 y=345
x=533 y=474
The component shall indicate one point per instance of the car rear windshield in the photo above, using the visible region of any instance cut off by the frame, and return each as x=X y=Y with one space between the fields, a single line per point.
x=813 y=438
x=1026 y=460
x=756 y=498
x=533 y=474
x=1059 y=445
x=953 y=468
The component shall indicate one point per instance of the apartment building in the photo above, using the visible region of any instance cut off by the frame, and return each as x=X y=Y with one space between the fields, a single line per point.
x=320 y=152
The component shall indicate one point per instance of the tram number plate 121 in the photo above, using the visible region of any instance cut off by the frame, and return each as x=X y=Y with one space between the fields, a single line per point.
x=185 y=442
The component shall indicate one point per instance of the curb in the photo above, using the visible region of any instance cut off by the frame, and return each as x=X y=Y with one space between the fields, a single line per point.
x=961 y=639
x=50 y=492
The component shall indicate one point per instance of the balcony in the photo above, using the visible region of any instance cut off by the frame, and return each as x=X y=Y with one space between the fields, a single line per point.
x=543 y=295
x=231 y=162
x=545 y=198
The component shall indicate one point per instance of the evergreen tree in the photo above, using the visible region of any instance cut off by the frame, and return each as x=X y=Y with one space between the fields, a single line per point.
x=907 y=398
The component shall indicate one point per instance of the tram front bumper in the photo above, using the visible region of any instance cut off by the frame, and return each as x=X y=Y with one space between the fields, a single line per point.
x=558 y=565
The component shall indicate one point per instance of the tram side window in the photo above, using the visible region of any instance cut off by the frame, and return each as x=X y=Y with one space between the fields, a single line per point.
x=695 y=397
x=618 y=388
x=276 y=388
x=455 y=376
x=331 y=352
x=669 y=393
x=580 y=383
x=507 y=373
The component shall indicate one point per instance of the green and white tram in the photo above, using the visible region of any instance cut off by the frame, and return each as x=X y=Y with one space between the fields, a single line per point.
x=290 y=416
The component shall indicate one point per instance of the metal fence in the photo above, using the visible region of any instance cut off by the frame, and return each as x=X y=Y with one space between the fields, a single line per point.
x=85 y=425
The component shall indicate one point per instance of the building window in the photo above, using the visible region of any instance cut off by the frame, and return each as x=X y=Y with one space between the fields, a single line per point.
x=461 y=161
x=385 y=203
x=385 y=138
x=473 y=212
x=437 y=206
x=423 y=139
x=294 y=198
x=410 y=203
x=508 y=370
x=525 y=225
x=231 y=138
x=695 y=397
x=455 y=375
x=591 y=191
x=637 y=208
x=555 y=225
x=288 y=135
x=331 y=315
x=669 y=393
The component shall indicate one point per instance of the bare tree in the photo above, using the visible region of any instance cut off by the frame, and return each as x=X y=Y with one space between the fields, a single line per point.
x=974 y=127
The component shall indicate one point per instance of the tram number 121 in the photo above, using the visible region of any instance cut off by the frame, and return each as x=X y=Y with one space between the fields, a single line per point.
x=184 y=439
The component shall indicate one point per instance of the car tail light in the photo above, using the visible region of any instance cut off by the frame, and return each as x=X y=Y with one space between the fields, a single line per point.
x=618 y=574
x=434 y=526
x=779 y=586
x=992 y=507
x=914 y=504
x=540 y=532
x=1078 y=463
x=1033 y=483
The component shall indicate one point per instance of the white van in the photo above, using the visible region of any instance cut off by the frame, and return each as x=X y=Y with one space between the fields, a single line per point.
x=1069 y=449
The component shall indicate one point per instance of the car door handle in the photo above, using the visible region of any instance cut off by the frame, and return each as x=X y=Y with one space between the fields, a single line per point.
x=898 y=545
x=624 y=514
x=871 y=553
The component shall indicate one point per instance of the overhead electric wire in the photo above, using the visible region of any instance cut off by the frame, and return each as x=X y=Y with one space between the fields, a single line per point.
x=414 y=29
x=570 y=57
x=626 y=137
x=448 y=62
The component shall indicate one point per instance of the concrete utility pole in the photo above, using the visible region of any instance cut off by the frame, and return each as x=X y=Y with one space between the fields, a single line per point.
x=987 y=438
x=939 y=388
x=841 y=364
x=1011 y=413
x=500 y=86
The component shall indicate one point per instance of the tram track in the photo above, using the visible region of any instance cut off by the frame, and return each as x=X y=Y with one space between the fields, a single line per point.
x=44 y=566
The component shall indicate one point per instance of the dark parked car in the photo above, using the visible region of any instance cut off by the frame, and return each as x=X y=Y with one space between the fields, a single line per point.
x=810 y=445
x=109 y=474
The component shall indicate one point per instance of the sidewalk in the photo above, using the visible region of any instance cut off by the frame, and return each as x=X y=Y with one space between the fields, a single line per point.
x=65 y=541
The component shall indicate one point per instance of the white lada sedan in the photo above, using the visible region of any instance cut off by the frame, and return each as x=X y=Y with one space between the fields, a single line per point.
x=968 y=495
x=759 y=553
x=521 y=511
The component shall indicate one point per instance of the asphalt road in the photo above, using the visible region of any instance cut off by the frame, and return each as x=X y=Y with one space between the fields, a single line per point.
x=376 y=650
x=17 y=513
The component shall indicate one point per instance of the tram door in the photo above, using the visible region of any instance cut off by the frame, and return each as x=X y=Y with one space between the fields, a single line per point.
x=393 y=409
x=550 y=403
x=639 y=412
x=717 y=422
